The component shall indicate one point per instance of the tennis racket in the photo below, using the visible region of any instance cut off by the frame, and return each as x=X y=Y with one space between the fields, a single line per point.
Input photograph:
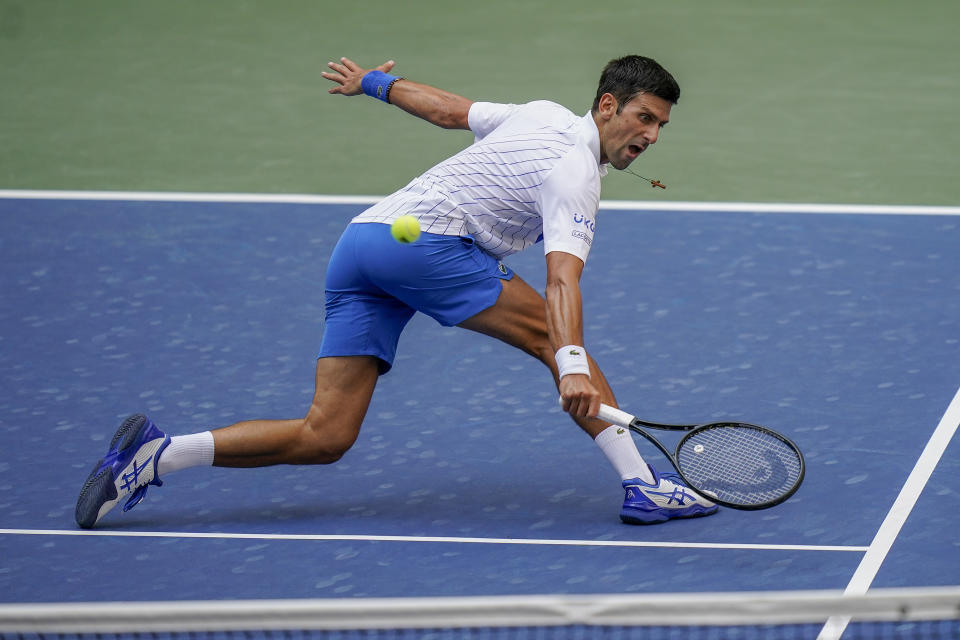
x=735 y=464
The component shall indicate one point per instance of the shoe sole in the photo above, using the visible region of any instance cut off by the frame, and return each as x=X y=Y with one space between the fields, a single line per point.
x=628 y=519
x=100 y=489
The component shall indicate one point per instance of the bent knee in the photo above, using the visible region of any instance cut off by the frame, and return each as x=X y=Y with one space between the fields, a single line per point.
x=323 y=441
x=321 y=448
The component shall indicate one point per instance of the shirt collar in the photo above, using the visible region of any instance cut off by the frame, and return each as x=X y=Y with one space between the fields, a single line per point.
x=593 y=140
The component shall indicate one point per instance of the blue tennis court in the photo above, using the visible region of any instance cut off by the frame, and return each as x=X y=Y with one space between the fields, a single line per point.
x=839 y=329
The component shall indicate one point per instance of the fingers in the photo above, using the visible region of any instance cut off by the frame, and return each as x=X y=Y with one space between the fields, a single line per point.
x=579 y=397
x=578 y=407
x=594 y=407
x=584 y=407
x=353 y=66
x=348 y=74
x=350 y=64
x=333 y=76
x=342 y=72
x=347 y=68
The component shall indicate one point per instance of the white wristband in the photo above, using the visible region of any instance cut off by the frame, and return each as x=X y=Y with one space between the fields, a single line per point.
x=573 y=359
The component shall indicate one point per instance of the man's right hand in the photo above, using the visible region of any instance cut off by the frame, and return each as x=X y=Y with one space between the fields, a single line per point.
x=580 y=398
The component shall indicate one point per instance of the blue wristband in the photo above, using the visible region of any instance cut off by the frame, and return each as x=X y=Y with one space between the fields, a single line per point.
x=377 y=84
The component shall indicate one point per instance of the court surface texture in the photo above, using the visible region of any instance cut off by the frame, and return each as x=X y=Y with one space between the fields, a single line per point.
x=837 y=326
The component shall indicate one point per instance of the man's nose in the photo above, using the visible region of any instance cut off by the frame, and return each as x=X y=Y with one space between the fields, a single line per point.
x=651 y=134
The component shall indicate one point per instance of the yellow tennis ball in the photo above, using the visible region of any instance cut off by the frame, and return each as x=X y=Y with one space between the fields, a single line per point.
x=405 y=229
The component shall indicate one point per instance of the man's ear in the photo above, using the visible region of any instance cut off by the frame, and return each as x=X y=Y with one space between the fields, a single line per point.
x=607 y=107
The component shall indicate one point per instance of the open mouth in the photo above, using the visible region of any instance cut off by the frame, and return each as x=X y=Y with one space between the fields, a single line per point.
x=636 y=149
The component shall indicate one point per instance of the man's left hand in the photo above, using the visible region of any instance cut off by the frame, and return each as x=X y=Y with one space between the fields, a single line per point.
x=349 y=74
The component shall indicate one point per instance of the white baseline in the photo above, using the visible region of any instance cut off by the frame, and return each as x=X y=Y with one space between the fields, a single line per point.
x=608 y=205
x=434 y=539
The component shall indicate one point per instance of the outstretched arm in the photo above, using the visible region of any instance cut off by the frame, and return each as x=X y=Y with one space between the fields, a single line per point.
x=565 y=327
x=436 y=106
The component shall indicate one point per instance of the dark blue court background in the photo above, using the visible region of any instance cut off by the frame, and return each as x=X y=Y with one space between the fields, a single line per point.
x=839 y=330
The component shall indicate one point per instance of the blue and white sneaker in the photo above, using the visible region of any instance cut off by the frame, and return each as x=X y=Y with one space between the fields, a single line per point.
x=668 y=497
x=128 y=468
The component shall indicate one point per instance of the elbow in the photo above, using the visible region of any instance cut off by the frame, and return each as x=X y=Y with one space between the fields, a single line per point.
x=449 y=122
x=452 y=121
x=453 y=112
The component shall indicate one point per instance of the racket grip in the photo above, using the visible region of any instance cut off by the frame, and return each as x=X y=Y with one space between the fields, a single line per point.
x=614 y=416
x=611 y=415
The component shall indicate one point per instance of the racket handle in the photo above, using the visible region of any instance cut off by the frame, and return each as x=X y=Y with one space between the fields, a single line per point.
x=611 y=415
x=614 y=416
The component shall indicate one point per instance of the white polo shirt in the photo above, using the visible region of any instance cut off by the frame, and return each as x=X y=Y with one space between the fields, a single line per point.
x=532 y=173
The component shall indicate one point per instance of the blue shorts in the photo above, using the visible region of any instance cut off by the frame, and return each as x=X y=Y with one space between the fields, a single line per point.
x=375 y=284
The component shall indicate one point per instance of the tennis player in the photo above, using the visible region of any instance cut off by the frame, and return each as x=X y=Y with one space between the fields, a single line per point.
x=532 y=175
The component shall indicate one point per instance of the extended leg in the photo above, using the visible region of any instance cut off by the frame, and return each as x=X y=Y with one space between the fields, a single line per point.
x=138 y=449
x=343 y=391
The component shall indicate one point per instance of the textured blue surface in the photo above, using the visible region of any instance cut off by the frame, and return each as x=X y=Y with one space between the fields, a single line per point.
x=840 y=331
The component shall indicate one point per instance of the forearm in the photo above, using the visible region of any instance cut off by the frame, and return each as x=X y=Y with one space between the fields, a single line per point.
x=581 y=396
x=436 y=106
x=564 y=303
x=564 y=313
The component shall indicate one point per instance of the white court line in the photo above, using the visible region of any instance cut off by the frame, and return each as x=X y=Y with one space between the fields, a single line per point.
x=164 y=196
x=421 y=539
x=897 y=516
x=610 y=205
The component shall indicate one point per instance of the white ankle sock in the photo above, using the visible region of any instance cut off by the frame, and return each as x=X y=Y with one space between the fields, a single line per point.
x=183 y=452
x=617 y=444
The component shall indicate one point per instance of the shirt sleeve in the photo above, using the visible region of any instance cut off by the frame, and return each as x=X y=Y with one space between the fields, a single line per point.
x=568 y=205
x=484 y=117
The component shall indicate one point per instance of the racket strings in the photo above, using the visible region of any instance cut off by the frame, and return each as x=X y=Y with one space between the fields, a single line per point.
x=740 y=464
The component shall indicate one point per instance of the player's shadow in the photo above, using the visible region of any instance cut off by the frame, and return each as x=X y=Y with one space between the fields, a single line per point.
x=475 y=509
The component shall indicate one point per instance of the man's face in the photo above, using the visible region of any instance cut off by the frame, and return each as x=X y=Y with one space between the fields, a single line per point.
x=625 y=135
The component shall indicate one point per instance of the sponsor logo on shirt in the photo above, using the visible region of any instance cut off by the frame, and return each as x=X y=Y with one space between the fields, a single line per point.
x=584 y=220
x=588 y=226
x=583 y=236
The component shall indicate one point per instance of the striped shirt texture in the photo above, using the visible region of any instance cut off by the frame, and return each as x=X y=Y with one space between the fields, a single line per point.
x=533 y=173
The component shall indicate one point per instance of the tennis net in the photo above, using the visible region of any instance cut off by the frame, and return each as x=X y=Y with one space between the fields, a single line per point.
x=929 y=613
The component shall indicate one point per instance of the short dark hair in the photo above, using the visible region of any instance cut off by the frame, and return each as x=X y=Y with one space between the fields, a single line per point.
x=629 y=76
